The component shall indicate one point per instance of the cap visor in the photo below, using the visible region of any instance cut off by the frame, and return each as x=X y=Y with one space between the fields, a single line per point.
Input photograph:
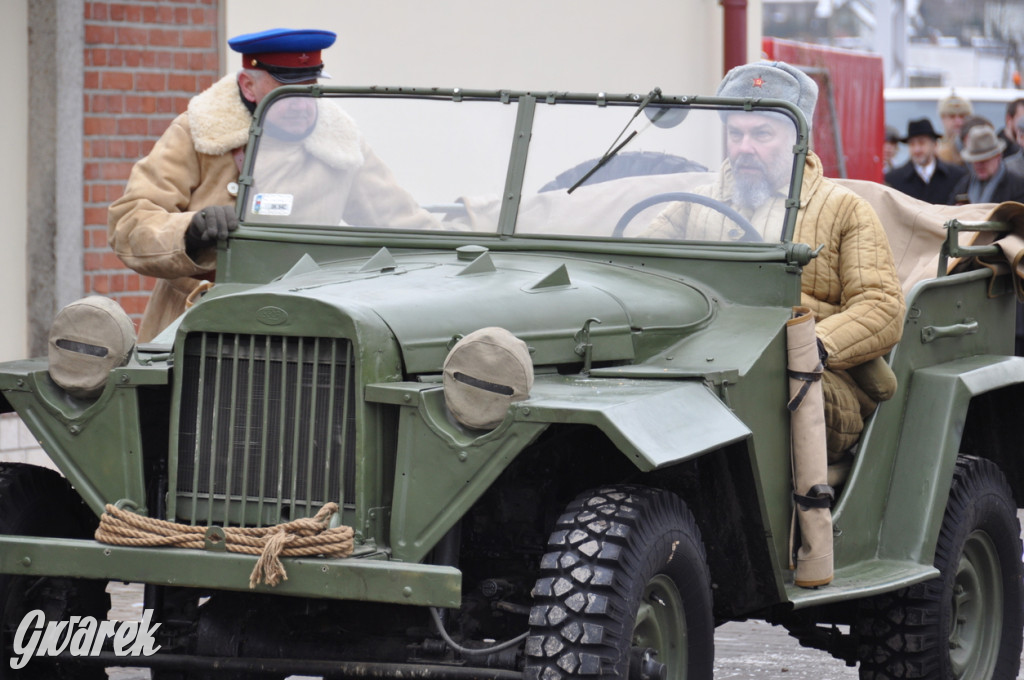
x=293 y=78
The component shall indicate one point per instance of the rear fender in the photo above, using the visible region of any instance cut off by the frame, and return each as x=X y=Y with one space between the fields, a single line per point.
x=926 y=457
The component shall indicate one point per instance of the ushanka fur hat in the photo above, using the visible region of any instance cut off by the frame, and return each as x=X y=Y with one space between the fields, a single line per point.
x=772 y=80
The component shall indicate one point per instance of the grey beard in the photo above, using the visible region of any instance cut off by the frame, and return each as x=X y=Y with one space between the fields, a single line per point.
x=752 y=195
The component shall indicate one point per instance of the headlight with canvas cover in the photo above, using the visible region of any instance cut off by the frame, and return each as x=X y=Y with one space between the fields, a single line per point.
x=88 y=338
x=485 y=372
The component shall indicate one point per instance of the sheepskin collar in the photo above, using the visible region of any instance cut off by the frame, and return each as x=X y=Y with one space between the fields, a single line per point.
x=220 y=123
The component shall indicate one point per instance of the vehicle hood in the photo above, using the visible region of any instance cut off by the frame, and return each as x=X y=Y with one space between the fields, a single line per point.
x=429 y=300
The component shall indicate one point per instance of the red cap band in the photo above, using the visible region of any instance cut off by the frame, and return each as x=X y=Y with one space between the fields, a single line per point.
x=283 y=59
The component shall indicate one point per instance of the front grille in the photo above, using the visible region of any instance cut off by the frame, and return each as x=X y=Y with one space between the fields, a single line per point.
x=267 y=428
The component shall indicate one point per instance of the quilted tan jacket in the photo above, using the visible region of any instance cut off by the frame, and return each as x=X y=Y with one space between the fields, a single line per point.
x=852 y=286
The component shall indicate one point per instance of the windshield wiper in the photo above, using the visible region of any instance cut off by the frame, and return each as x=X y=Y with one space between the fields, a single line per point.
x=616 y=146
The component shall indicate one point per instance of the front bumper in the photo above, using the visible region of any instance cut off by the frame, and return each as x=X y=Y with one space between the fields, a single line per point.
x=353 y=578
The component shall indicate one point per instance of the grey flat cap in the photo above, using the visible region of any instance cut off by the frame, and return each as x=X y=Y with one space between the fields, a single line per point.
x=772 y=80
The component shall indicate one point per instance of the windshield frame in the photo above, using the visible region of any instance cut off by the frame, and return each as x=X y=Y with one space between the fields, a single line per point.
x=527 y=103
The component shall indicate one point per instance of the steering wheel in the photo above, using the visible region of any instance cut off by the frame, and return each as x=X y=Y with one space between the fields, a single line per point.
x=750 y=234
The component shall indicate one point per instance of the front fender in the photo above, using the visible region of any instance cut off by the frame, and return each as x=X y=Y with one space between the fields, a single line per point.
x=442 y=470
x=654 y=422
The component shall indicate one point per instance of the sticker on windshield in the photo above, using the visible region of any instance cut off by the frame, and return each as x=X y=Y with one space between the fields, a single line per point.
x=272 y=204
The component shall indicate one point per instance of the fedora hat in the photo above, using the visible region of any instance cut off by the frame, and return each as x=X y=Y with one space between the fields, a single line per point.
x=922 y=127
x=982 y=144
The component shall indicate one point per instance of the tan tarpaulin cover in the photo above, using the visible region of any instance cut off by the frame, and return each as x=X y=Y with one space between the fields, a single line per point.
x=914 y=227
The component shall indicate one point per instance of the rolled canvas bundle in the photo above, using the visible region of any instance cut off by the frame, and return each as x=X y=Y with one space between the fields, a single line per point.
x=811 y=493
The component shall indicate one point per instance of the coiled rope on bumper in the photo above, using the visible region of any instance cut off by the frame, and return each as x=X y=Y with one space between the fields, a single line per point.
x=304 y=537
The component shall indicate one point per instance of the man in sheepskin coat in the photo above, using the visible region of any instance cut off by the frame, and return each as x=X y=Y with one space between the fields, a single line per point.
x=179 y=200
x=851 y=286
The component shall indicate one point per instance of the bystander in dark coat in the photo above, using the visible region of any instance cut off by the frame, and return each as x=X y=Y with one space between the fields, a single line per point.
x=988 y=179
x=890 y=147
x=1012 y=131
x=924 y=176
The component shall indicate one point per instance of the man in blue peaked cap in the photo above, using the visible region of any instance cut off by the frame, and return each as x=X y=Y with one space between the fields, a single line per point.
x=180 y=199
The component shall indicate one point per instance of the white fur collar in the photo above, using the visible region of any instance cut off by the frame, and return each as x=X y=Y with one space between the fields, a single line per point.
x=218 y=119
x=220 y=123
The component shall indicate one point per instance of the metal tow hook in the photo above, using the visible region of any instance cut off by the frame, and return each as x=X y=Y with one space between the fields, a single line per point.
x=584 y=347
x=644 y=666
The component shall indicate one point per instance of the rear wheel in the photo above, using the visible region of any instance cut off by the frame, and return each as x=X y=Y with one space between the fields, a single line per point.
x=36 y=501
x=624 y=591
x=967 y=623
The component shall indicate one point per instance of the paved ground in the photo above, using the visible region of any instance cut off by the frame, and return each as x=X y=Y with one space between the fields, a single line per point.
x=755 y=649
x=752 y=649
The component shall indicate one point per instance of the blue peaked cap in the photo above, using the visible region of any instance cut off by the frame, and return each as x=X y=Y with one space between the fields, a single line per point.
x=283 y=40
x=289 y=55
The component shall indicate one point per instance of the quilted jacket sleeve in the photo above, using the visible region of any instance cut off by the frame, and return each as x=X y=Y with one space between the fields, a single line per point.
x=852 y=285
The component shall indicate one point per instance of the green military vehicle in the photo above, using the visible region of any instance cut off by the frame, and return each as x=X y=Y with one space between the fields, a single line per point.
x=592 y=502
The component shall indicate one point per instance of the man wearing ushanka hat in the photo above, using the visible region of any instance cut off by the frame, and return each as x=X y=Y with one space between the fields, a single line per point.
x=180 y=199
x=953 y=111
x=851 y=287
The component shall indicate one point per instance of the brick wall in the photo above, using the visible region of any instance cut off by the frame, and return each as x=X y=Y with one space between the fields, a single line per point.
x=143 y=61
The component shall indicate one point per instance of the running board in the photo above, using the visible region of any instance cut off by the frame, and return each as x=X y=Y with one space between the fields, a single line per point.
x=860 y=580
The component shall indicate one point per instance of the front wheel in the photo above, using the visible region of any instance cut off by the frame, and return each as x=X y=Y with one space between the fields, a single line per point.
x=35 y=501
x=624 y=591
x=967 y=624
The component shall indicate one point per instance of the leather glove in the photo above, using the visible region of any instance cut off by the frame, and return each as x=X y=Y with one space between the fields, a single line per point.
x=210 y=225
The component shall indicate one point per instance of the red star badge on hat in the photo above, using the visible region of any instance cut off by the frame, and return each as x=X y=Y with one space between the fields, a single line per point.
x=758 y=81
x=304 y=58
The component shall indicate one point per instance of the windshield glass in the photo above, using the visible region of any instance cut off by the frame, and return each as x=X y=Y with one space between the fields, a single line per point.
x=524 y=167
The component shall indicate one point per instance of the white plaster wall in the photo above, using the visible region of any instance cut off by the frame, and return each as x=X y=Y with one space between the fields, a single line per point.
x=579 y=45
x=18 y=445
x=14 y=142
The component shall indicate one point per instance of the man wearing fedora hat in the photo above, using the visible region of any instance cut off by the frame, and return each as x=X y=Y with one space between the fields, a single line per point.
x=180 y=199
x=988 y=179
x=924 y=176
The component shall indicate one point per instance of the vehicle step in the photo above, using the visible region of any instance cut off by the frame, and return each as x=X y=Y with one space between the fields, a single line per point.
x=861 y=579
